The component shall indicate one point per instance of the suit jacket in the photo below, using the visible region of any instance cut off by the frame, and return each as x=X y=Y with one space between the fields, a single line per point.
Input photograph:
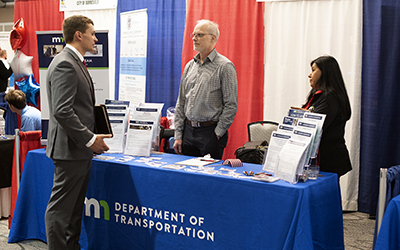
x=4 y=75
x=71 y=101
x=334 y=156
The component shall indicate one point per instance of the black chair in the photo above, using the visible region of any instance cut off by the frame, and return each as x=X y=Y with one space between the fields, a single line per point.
x=261 y=130
x=3 y=112
x=166 y=134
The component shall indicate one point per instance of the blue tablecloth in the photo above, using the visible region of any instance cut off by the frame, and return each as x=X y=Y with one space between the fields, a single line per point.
x=135 y=206
x=389 y=234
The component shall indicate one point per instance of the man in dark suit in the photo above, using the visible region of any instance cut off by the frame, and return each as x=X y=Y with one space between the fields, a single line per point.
x=71 y=140
x=5 y=71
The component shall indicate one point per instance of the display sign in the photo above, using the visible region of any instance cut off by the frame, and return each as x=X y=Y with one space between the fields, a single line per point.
x=68 y=5
x=51 y=43
x=133 y=57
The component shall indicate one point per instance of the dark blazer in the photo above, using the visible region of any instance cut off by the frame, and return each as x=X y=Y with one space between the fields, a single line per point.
x=71 y=100
x=4 y=75
x=334 y=156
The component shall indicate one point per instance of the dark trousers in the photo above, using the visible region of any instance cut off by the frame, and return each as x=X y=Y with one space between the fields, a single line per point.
x=201 y=141
x=64 y=211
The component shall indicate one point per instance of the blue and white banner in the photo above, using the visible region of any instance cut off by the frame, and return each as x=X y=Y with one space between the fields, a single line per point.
x=133 y=57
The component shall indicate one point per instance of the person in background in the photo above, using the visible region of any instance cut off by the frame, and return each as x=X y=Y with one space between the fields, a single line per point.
x=208 y=100
x=71 y=141
x=5 y=71
x=328 y=96
x=31 y=118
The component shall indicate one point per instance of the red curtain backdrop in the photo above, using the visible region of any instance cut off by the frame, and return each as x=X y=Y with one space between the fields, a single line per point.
x=38 y=15
x=28 y=141
x=242 y=41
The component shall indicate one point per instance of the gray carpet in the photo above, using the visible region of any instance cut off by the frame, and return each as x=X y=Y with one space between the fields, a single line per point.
x=358 y=234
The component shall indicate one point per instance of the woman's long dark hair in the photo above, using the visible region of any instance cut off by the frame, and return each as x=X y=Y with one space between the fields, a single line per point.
x=331 y=81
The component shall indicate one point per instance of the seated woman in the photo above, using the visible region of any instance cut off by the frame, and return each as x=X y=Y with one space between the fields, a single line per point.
x=328 y=96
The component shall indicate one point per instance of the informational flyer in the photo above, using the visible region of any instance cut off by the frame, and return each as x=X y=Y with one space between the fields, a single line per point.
x=308 y=126
x=286 y=129
x=138 y=142
x=319 y=119
x=278 y=140
x=291 y=160
x=119 y=117
x=150 y=112
x=133 y=57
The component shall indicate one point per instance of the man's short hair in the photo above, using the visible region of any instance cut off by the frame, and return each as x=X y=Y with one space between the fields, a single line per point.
x=212 y=27
x=73 y=24
x=2 y=52
x=17 y=98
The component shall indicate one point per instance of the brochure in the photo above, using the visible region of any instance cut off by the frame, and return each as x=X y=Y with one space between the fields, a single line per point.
x=278 y=140
x=287 y=129
x=138 y=141
x=319 y=119
x=291 y=160
x=310 y=127
x=150 y=112
x=118 y=115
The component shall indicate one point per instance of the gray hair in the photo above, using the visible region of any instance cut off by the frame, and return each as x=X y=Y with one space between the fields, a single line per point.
x=212 y=27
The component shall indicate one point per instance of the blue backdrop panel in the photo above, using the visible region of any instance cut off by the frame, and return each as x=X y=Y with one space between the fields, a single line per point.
x=380 y=137
x=164 y=48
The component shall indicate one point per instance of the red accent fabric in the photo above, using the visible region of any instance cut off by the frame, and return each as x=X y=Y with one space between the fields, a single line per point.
x=309 y=102
x=164 y=122
x=38 y=15
x=242 y=41
x=28 y=141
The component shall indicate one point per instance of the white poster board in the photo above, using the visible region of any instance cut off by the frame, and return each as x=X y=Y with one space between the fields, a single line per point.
x=133 y=57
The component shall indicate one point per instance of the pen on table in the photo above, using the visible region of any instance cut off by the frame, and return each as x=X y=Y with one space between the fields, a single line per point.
x=207 y=160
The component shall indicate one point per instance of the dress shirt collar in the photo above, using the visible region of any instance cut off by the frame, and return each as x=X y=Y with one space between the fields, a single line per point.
x=210 y=56
x=75 y=51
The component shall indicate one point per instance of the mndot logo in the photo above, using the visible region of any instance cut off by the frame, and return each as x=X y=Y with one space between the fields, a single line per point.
x=57 y=39
x=96 y=205
x=166 y=221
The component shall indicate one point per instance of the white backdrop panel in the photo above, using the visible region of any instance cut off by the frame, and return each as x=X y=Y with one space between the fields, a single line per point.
x=296 y=33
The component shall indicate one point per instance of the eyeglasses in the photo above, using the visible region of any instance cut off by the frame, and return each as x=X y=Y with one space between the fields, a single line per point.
x=198 y=35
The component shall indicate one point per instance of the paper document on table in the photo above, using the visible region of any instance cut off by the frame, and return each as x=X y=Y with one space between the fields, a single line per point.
x=138 y=142
x=198 y=162
x=291 y=160
x=278 y=140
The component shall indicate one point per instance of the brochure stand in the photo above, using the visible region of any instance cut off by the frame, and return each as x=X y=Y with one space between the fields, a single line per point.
x=143 y=129
x=118 y=113
x=293 y=144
